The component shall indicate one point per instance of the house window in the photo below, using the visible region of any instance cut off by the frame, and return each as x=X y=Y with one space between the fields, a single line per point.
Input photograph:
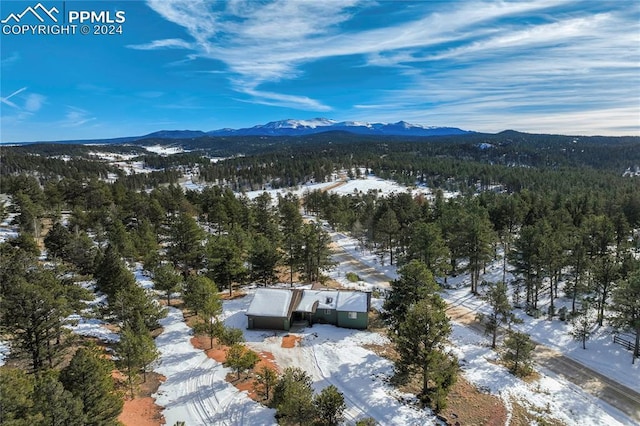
x=352 y=315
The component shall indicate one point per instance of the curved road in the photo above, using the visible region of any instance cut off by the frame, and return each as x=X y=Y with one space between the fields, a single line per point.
x=613 y=393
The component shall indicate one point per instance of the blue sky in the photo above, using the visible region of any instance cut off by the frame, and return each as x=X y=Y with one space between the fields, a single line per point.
x=552 y=66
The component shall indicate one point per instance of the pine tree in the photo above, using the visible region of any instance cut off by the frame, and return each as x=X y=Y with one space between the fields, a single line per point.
x=225 y=263
x=420 y=344
x=415 y=283
x=330 y=406
x=314 y=256
x=167 y=279
x=185 y=248
x=58 y=406
x=195 y=292
x=16 y=397
x=626 y=305
x=517 y=355
x=498 y=300
x=57 y=241
x=263 y=258
x=240 y=358
x=387 y=229
x=427 y=245
x=33 y=311
x=293 y=396
x=209 y=308
x=582 y=324
x=291 y=224
x=267 y=378
x=88 y=377
x=136 y=350
x=132 y=302
x=112 y=274
x=477 y=242
x=605 y=273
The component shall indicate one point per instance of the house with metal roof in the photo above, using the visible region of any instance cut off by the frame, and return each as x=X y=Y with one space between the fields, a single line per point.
x=272 y=308
x=277 y=309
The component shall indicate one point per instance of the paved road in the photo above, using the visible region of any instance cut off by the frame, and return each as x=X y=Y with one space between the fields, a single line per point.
x=618 y=396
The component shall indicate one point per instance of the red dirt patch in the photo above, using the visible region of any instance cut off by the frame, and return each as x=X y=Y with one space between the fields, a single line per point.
x=217 y=353
x=245 y=384
x=290 y=341
x=266 y=360
x=466 y=405
x=141 y=412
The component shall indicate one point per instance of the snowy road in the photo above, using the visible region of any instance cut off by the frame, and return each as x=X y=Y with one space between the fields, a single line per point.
x=615 y=394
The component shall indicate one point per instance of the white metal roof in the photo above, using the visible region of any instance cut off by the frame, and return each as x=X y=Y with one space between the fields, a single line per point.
x=270 y=302
x=326 y=300
x=355 y=301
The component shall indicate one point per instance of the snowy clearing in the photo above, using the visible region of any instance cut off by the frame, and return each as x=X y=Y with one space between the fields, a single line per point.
x=195 y=391
x=333 y=355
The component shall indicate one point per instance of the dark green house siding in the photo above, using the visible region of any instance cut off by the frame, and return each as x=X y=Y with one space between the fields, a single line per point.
x=325 y=316
x=268 y=323
x=361 y=320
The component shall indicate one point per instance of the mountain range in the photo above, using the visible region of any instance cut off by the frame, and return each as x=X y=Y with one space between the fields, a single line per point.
x=316 y=125
x=285 y=128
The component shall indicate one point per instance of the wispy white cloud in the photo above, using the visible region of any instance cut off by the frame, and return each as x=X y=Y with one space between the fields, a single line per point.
x=279 y=99
x=76 y=117
x=495 y=58
x=23 y=105
x=11 y=59
x=5 y=100
x=169 y=43
x=151 y=94
x=34 y=102
x=261 y=43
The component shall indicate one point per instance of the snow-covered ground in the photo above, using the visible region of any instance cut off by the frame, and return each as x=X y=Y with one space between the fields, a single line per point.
x=601 y=355
x=85 y=323
x=8 y=231
x=195 y=391
x=550 y=394
x=336 y=356
x=4 y=351
x=342 y=187
x=165 y=150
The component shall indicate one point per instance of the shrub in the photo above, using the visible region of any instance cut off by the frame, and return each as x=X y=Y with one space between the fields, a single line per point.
x=353 y=277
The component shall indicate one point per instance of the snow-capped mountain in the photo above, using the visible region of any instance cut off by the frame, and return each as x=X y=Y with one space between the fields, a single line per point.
x=317 y=125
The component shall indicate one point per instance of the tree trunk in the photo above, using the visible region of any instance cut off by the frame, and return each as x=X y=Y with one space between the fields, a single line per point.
x=603 y=300
x=552 y=307
x=575 y=286
x=636 y=350
x=425 y=381
x=495 y=335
